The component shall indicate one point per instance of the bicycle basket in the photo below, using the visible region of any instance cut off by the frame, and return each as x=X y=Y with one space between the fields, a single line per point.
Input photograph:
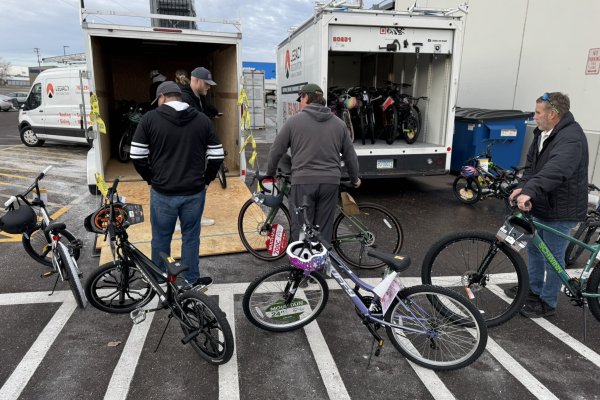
x=18 y=220
x=516 y=232
x=97 y=222
x=308 y=257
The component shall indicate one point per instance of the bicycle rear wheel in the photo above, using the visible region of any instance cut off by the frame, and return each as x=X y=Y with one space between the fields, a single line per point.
x=212 y=337
x=443 y=331
x=117 y=288
x=39 y=246
x=284 y=299
x=255 y=224
x=374 y=227
x=456 y=262
x=71 y=272
x=585 y=233
x=411 y=126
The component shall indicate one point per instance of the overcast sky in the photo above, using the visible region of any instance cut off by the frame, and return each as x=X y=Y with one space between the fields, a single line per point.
x=51 y=24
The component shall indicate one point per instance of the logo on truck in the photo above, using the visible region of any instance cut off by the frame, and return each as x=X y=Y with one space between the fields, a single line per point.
x=288 y=63
x=293 y=62
x=50 y=90
x=386 y=30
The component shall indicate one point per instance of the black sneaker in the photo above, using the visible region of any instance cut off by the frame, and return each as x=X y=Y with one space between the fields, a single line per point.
x=537 y=310
x=197 y=284
x=511 y=292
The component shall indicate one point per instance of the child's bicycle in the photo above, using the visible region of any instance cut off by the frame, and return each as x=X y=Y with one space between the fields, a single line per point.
x=481 y=265
x=431 y=326
x=132 y=279
x=58 y=249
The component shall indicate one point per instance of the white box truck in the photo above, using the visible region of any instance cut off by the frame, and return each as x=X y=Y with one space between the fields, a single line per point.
x=121 y=56
x=346 y=47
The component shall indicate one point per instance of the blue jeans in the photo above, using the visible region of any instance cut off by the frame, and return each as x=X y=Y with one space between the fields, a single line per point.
x=164 y=211
x=548 y=288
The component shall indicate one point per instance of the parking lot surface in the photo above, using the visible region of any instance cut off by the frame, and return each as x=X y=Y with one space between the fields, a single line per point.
x=50 y=349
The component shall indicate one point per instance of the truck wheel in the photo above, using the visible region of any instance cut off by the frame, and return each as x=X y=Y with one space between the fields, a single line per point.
x=29 y=138
x=93 y=189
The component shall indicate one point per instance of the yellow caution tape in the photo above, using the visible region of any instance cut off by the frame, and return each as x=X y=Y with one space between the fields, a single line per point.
x=95 y=113
x=250 y=139
x=101 y=125
x=101 y=184
x=245 y=103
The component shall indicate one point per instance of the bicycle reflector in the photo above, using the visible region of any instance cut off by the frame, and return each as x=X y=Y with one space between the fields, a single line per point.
x=308 y=257
x=516 y=232
x=98 y=221
x=18 y=220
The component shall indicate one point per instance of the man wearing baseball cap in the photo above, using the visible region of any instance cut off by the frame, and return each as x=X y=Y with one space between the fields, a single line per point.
x=195 y=93
x=316 y=138
x=176 y=150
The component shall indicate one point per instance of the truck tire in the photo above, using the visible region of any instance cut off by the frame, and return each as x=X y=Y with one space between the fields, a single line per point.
x=29 y=138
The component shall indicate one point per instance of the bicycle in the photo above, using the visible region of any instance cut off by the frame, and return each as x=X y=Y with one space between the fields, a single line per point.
x=431 y=326
x=585 y=232
x=132 y=119
x=517 y=232
x=478 y=180
x=62 y=259
x=338 y=98
x=221 y=174
x=130 y=281
x=264 y=226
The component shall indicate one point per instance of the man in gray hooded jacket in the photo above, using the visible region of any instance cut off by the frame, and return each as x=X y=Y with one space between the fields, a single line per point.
x=316 y=138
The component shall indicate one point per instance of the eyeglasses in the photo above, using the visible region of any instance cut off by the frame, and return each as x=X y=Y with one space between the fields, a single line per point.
x=546 y=97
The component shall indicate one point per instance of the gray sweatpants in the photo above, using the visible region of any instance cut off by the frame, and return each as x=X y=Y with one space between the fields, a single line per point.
x=322 y=199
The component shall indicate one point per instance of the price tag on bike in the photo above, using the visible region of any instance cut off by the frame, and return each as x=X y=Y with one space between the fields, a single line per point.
x=516 y=236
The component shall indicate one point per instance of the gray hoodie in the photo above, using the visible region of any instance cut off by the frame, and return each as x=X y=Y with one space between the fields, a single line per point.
x=316 y=139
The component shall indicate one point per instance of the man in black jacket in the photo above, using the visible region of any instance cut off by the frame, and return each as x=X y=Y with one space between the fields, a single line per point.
x=175 y=149
x=195 y=93
x=554 y=189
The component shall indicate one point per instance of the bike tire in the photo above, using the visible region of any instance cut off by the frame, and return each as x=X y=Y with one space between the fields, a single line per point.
x=39 y=245
x=116 y=289
x=222 y=176
x=435 y=338
x=584 y=233
x=122 y=155
x=391 y=126
x=411 y=126
x=454 y=261
x=593 y=286
x=254 y=229
x=214 y=341
x=363 y=121
x=348 y=121
x=466 y=189
x=384 y=233
x=265 y=298
x=69 y=267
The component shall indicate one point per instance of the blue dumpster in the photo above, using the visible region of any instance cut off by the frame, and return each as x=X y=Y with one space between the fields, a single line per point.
x=474 y=128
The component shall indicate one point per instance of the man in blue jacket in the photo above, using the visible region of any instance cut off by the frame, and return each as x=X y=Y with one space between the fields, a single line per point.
x=554 y=189
x=175 y=149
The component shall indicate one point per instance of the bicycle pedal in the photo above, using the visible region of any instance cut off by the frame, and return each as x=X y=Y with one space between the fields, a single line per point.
x=138 y=316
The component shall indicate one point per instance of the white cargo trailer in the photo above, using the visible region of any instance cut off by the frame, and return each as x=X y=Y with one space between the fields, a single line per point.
x=120 y=57
x=346 y=47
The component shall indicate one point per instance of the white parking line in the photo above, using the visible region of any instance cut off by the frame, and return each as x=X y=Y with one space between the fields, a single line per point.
x=17 y=381
x=120 y=381
x=229 y=386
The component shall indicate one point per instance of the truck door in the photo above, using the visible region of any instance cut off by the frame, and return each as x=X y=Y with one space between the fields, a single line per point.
x=33 y=111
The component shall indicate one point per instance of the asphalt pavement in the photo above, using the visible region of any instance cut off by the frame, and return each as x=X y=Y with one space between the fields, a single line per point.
x=50 y=349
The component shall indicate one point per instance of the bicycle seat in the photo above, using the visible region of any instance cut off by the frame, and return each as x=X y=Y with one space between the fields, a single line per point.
x=55 y=226
x=396 y=262
x=173 y=267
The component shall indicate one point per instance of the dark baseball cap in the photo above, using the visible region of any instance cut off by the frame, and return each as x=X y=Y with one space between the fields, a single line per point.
x=204 y=74
x=165 y=88
x=309 y=88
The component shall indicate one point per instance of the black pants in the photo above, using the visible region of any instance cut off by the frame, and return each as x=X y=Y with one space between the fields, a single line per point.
x=322 y=199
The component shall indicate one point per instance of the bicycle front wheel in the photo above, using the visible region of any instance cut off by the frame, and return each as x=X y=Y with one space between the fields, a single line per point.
x=375 y=227
x=222 y=177
x=475 y=264
x=593 y=286
x=284 y=299
x=466 y=189
x=438 y=329
x=255 y=224
x=411 y=126
x=211 y=334
x=71 y=273
x=117 y=288
x=124 y=146
x=348 y=121
x=39 y=245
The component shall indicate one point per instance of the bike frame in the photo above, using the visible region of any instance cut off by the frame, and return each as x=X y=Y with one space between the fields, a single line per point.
x=538 y=242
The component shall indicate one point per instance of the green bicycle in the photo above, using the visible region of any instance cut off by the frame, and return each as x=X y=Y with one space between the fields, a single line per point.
x=480 y=265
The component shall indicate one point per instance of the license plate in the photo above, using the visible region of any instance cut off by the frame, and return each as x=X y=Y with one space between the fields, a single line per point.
x=385 y=164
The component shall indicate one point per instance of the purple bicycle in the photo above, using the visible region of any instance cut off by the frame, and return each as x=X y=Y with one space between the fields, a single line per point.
x=430 y=325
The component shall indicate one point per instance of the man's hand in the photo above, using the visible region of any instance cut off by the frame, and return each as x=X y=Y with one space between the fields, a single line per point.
x=524 y=202
x=357 y=183
x=514 y=194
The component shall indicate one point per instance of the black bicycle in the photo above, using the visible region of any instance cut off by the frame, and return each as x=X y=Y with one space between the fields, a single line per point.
x=130 y=281
x=587 y=231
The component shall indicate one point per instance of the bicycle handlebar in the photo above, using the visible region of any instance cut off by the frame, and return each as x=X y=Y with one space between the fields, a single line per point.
x=10 y=201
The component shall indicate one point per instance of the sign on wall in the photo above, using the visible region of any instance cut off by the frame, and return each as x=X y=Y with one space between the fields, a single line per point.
x=593 y=62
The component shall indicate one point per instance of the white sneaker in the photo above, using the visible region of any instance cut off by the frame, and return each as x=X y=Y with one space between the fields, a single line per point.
x=207 y=221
